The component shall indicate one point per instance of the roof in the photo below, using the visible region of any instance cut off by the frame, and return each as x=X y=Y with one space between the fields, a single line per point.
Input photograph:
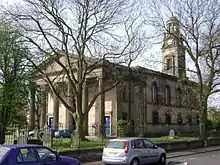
x=21 y=146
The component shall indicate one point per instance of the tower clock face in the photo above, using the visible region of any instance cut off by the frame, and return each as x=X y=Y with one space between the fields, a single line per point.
x=169 y=42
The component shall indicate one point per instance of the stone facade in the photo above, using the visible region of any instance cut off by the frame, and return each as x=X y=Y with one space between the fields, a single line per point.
x=159 y=101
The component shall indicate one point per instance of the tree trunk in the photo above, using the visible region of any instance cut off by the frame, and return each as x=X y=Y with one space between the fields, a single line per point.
x=79 y=118
x=203 y=124
x=79 y=130
x=84 y=108
x=2 y=134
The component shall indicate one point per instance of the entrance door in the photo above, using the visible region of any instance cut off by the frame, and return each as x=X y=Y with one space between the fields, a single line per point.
x=107 y=125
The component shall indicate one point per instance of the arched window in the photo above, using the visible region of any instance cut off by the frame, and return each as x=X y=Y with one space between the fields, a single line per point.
x=125 y=93
x=167 y=95
x=189 y=119
x=154 y=92
x=179 y=97
x=179 y=118
x=197 y=119
x=167 y=118
x=155 y=117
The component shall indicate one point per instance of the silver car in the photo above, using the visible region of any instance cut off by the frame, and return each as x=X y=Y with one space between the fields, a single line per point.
x=132 y=151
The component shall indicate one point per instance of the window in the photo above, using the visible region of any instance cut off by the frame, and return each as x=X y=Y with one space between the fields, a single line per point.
x=116 y=144
x=169 y=63
x=179 y=118
x=167 y=95
x=125 y=93
x=3 y=152
x=46 y=155
x=50 y=122
x=124 y=116
x=169 y=27
x=179 y=97
x=197 y=119
x=148 y=144
x=167 y=118
x=26 y=155
x=154 y=93
x=155 y=117
x=137 y=144
x=189 y=119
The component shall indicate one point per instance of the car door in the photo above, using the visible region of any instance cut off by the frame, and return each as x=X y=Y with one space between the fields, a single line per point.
x=47 y=156
x=152 y=151
x=27 y=156
x=139 y=150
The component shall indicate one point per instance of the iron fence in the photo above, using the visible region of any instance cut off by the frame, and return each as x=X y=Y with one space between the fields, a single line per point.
x=63 y=139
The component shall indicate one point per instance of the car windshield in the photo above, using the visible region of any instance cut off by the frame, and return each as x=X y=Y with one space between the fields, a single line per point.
x=3 y=152
x=116 y=144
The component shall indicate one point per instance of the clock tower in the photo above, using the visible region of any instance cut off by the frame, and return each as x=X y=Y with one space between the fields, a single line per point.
x=173 y=50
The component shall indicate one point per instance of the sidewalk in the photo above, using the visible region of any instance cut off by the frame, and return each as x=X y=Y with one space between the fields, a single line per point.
x=192 y=152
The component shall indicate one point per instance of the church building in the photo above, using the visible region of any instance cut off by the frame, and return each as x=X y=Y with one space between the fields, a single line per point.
x=153 y=101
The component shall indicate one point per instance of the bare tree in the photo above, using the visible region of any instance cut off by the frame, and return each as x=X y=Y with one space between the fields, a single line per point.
x=81 y=36
x=199 y=23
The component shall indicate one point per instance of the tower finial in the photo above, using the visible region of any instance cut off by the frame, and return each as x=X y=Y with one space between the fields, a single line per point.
x=172 y=14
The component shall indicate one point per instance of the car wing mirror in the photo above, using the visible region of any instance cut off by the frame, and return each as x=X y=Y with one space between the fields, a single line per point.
x=155 y=146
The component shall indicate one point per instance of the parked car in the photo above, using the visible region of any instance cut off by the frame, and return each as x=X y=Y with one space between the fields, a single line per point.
x=55 y=134
x=132 y=151
x=33 y=155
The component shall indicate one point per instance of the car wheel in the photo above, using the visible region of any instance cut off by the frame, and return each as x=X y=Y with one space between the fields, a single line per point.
x=162 y=160
x=134 y=162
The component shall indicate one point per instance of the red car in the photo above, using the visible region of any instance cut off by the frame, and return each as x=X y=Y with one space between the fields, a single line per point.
x=32 y=155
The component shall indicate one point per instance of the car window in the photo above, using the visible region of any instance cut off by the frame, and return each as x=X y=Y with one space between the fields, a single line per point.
x=3 y=152
x=116 y=144
x=137 y=144
x=46 y=155
x=148 y=144
x=26 y=155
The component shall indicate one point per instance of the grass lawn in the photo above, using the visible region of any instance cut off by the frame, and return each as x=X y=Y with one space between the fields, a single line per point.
x=62 y=144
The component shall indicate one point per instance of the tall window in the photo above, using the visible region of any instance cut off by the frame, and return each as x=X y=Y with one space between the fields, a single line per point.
x=179 y=118
x=154 y=89
x=155 y=117
x=179 y=97
x=189 y=119
x=197 y=119
x=125 y=93
x=169 y=63
x=167 y=95
x=167 y=118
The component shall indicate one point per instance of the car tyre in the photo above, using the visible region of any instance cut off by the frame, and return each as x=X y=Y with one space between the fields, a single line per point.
x=162 y=160
x=134 y=162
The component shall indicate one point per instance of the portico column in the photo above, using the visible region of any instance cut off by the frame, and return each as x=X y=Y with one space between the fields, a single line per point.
x=43 y=114
x=85 y=106
x=69 y=116
x=32 y=111
x=102 y=105
x=55 y=111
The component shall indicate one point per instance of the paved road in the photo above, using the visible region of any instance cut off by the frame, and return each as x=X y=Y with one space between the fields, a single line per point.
x=209 y=158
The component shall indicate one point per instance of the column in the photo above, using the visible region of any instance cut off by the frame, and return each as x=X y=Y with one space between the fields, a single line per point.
x=102 y=105
x=43 y=114
x=55 y=112
x=32 y=107
x=84 y=107
x=69 y=116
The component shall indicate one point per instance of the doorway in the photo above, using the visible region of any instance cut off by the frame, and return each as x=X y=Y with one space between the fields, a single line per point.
x=107 y=126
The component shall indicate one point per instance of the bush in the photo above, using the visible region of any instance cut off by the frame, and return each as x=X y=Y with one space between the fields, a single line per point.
x=121 y=126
